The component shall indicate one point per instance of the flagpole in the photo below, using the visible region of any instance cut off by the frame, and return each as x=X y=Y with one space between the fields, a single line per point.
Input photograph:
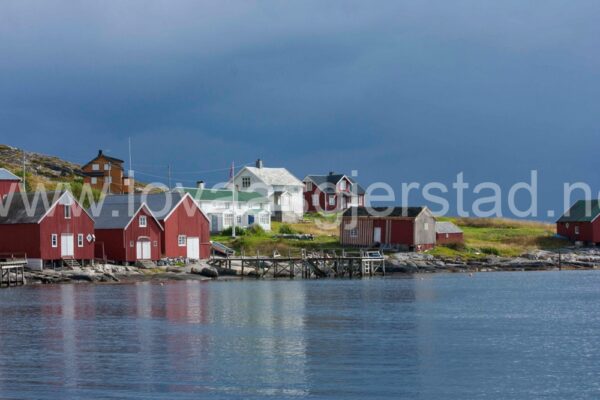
x=233 y=196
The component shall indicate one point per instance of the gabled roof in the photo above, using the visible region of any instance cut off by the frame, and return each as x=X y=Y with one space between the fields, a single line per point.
x=31 y=208
x=160 y=204
x=6 y=175
x=324 y=182
x=582 y=211
x=109 y=158
x=223 y=195
x=118 y=215
x=274 y=176
x=404 y=212
x=447 y=227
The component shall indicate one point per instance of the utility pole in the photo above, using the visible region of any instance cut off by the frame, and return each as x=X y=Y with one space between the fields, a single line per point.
x=233 y=197
x=24 y=177
x=169 y=172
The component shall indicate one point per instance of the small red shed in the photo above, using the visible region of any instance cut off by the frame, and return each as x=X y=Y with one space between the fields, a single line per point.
x=448 y=233
x=581 y=222
x=186 y=229
x=410 y=228
x=9 y=183
x=126 y=234
x=50 y=228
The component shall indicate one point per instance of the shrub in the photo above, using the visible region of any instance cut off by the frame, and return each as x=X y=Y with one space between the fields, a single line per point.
x=458 y=246
x=256 y=230
x=238 y=231
x=286 y=229
x=490 y=251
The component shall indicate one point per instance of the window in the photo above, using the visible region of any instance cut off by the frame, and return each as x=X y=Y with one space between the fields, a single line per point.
x=315 y=199
x=108 y=179
x=80 y=240
x=181 y=240
x=343 y=185
x=107 y=167
x=67 y=212
x=228 y=205
x=354 y=233
x=332 y=200
x=143 y=221
x=264 y=219
x=246 y=182
x=426 y=226
x=360 y=201
x=155 y=243
x=54 y=239
x=131 y=244
x=227 y=220
x=576 y=230
x=309 y=186
x=239 y=220
x=94 y=181
x=95 y=167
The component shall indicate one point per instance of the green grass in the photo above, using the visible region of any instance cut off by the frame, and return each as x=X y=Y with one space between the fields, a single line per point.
x=483 y=237
x=502 y=237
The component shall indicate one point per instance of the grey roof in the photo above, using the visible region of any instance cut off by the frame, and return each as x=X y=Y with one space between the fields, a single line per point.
x=325 y=182
x=6 y=175
x=405 y=212
x=275 y=176
x=115 y=215
x=447 y=227
x=160 y=204
x=27 y=208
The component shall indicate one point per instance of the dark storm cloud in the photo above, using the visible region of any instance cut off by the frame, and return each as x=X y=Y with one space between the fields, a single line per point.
x=398 y=90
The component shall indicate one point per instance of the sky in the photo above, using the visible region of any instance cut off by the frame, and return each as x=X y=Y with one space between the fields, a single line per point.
x=400 y=91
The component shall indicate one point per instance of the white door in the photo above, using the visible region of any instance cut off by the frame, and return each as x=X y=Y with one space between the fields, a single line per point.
x=377 y=235
x=66 y=245
x=193 y=248
x=143 y=249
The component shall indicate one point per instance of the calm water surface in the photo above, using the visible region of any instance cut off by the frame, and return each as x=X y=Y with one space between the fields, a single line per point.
x=492 y=336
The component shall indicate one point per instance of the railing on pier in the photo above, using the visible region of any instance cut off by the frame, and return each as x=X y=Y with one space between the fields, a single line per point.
x=12 y=269
x=322 y=264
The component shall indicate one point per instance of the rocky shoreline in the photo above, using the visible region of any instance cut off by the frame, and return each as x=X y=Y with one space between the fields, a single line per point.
x=541 y=260
x=397 y=263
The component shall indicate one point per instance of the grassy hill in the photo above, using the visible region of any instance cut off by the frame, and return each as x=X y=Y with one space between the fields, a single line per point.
x=483 y=237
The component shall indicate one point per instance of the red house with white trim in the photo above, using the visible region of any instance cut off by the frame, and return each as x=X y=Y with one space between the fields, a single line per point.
x=186 y=229
x=9 y=183
x=333 y=192
x=409 y=228
x=127 y=235
x=581 y=223
x=50 y=228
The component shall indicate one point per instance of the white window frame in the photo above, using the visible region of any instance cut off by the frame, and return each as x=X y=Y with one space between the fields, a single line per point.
x=54 y=240
x=80 y=240
x=246 y=182
x=181 y=240
x=264 y=219
x=309 y=186
x=131 y=243
x=238 y=220
x=331 y=200
x=107 y=167
x=354 y=233
x=577 y=229
x=227 y=220
x=426 y=226
x=343 y=185
x=95 y=167
x=67 y=209
x=143 y=221
x=94 y=180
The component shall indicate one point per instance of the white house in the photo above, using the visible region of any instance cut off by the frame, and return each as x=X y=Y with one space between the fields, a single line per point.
x=284 y=190
x=218 y=204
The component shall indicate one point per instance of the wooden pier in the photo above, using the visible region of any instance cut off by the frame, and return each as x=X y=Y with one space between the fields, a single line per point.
x=309 y=265
x=12 y=270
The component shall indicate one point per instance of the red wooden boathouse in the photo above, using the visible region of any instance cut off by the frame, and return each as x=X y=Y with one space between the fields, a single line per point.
x=50 y=228
x=9 y=183
x=186 y=229
x=448 y=233
x=410 y=228
x=581 y=223
x=127 y=235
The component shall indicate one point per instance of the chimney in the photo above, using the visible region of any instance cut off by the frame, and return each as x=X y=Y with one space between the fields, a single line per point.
x=259 y=163
x=331 y=173
x=200 y=185
x=99 y=153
